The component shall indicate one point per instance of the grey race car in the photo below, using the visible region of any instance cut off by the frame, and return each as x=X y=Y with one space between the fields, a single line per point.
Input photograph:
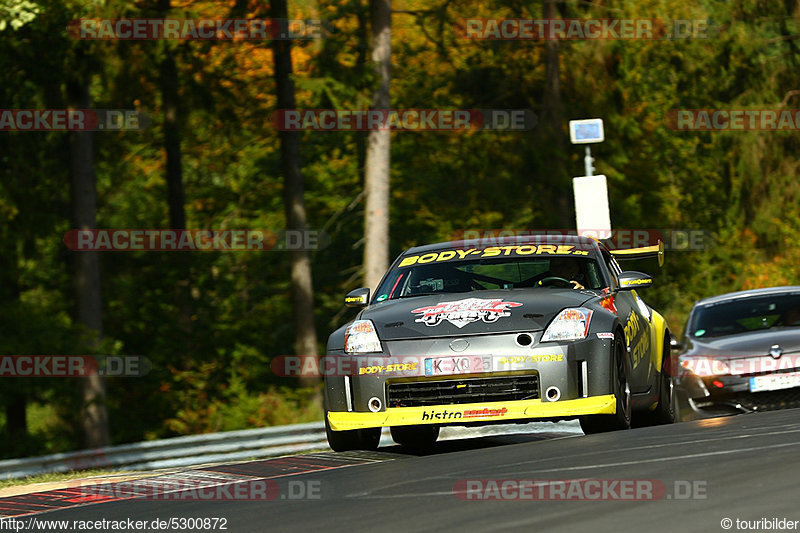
x=740 y=352
x=534 y=328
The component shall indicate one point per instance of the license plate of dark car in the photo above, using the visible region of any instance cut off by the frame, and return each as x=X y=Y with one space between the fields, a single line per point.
x=774 y=382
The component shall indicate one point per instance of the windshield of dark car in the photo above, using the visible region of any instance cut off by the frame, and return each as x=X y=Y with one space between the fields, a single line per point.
x=746 y=314
x=485 y=274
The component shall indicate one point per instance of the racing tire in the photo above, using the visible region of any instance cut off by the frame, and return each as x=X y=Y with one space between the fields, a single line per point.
x=352 y=439
x=664 y=413
x=621 y=419
x=417 y=438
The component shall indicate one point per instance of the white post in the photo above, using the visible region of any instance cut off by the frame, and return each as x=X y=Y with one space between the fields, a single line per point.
x=587 y=162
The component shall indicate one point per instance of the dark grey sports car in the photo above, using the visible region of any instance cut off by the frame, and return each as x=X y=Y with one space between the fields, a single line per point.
x=740 y=352
x=534 y=328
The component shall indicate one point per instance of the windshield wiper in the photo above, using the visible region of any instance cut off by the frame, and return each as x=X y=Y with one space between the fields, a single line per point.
x=409 y=295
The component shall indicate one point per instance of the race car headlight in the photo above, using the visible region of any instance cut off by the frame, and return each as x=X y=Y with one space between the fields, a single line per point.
x=705 y=366
x=569 y=325
x=361 y=337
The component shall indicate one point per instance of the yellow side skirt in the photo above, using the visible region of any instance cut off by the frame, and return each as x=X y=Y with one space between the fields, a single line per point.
x=473 y=412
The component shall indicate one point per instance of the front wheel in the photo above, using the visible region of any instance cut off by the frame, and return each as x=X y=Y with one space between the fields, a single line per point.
x=664 y=413
x=352 y=439
x=621 y=419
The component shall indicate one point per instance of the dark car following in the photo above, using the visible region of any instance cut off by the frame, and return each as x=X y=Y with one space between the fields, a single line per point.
x=740 y=353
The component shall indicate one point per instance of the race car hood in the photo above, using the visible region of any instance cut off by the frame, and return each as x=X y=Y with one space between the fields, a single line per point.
x=756 y=343
x=471 y=313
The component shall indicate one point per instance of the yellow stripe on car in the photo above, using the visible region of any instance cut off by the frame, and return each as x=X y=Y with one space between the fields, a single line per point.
x=472 y=412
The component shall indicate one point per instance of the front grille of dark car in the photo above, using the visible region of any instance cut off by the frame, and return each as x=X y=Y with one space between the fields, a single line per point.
x=464 y=390
x=756 y=401
x=770 y=400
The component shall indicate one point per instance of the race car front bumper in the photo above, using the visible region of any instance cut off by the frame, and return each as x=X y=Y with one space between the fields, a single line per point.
x=728 y=395
x=500 y=380
x=476 y=412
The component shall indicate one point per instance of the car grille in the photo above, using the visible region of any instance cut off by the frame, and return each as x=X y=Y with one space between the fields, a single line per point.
x=458 y=391
x=769 y=400
x=753 y=401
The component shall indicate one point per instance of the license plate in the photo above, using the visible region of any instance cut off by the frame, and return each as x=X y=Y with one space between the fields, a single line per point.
x=774 y=382
x=444 y=366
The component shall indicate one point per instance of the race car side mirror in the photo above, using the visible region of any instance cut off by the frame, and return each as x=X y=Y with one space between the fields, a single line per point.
x=631 y=279
x=357 y=297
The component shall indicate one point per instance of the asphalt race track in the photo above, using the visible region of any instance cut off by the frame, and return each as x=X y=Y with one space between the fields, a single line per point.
x=744 y=467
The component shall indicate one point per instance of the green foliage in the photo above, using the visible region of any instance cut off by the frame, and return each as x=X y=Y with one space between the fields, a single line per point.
x=211 y=373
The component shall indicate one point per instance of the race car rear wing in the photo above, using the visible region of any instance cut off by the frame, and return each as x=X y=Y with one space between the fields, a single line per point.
x=656 y=250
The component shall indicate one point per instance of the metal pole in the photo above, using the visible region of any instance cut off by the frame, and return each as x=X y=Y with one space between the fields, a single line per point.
x=587 y=161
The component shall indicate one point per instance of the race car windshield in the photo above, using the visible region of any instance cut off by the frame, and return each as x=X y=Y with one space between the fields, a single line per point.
x=746 y=314
x=491 y=274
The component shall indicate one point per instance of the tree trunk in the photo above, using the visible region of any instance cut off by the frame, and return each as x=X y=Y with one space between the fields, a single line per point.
x=376 y=178
x=87 y=274
x=172 y=138
x=176 y=199
x=362 y=59
x=294 y=204
x=13 y=395
x=554 y=121
x=16 y=419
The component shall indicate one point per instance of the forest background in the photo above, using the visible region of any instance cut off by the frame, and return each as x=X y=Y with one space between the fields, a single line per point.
x=211 y=322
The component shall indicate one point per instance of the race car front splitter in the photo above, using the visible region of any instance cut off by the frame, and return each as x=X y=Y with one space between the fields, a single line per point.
x=473 y=412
